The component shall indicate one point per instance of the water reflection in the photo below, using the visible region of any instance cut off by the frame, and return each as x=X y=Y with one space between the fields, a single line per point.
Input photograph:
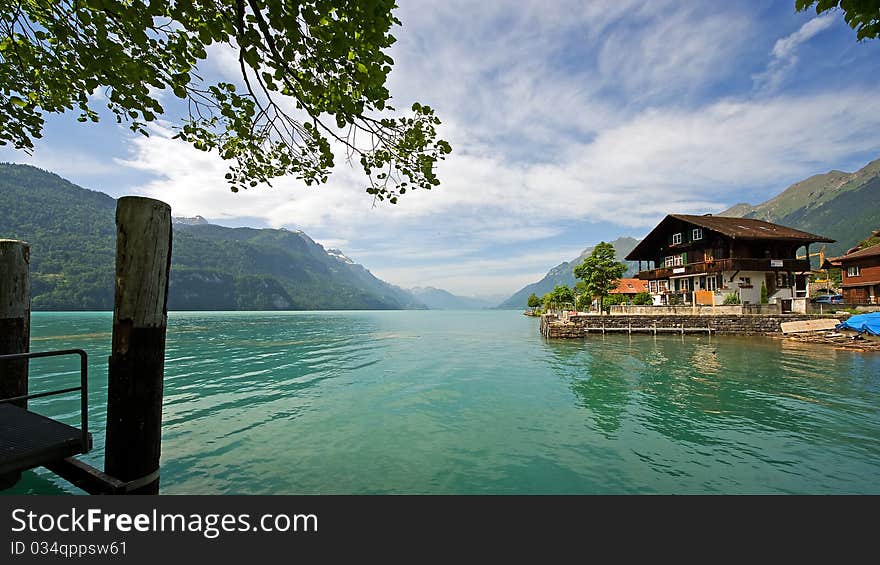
x=600 y=378
x=704 y=358
x=718 y=392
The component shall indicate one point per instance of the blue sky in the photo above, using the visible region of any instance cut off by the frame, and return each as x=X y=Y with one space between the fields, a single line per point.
x=571 y=122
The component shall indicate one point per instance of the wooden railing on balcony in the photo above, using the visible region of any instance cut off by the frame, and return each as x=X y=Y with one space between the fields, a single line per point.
x=720 y=265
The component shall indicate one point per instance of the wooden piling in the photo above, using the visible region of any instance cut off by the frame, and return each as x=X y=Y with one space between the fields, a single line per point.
x=137 y=362
x=15 y=317
x=15 y=325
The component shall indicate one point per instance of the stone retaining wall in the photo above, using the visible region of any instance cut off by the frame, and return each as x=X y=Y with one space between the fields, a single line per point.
x=576 y=326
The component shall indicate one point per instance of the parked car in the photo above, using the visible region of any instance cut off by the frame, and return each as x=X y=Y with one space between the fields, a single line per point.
x=829 y=299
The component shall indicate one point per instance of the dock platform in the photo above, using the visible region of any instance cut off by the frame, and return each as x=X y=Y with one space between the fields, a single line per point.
x=29 y=440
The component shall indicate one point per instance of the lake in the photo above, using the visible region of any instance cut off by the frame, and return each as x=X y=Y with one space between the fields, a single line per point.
x=477 y=402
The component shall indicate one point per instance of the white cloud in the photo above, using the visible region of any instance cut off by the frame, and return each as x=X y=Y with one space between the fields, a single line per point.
x=677 y=53
x=659 y=161
x=784 y=56
x=98 y=95
x=559 y=114
x=67 y=163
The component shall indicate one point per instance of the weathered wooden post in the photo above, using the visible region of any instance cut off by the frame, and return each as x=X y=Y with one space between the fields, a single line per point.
x=137 y=362
x=15 y=325
x=15 y=316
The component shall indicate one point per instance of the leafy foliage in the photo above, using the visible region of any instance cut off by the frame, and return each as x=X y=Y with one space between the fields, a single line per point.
x=731 y=299
x=599 y=272
x=765 y=297
x=559 y=297
x=313 y=71
x=533 y=301
x=836 y=276
x=643 y=299
x=871 y=241
x=615 y=299
x=861 y=15
x=638 y=299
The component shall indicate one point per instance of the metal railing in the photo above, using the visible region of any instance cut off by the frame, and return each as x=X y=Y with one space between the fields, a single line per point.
x=83 y=387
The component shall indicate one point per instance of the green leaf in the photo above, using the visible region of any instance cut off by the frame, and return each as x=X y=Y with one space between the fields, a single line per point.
x=323 y=60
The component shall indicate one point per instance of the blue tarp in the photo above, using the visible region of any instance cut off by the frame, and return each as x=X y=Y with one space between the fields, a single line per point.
x=863 y=323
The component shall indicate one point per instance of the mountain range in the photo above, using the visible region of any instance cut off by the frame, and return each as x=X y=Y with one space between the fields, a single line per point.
x=72 y=234
x=439 y=299
x=842 y=206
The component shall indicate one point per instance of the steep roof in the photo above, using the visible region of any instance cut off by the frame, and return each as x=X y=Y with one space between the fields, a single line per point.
x=734 y=228
x=872 y=251
x=750 y=228
x=630 y=286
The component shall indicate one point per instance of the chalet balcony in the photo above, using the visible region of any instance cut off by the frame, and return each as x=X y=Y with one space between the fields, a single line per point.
x=721 y=265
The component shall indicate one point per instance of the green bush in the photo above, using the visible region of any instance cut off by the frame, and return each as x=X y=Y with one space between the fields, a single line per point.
x=731 y=300
x=643 y=299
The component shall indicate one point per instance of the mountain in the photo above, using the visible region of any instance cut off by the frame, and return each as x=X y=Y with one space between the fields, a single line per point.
x=72 y=235
x=564 y=273
x=842 y=206
x=270 y=269
x=439 y=299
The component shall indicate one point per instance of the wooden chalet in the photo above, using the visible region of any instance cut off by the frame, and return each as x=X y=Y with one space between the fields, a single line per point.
x=705 y=258
x=860 y=274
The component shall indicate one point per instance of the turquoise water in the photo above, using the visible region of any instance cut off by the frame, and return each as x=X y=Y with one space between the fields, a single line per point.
x=478 y=402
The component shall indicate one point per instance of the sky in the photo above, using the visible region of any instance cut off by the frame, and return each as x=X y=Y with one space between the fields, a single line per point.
x=571 y=123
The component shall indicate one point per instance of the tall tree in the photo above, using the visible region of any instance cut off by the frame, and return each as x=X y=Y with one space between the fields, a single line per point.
x=600 y=272
x=861 y=15
x=533 y=301
x=313 y=73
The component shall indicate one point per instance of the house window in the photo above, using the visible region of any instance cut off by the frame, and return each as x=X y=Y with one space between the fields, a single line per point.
x=745 y=282
x=676 y=238
x=853 y=271
x=674 y=260
x=654 y=287
x=782 y=280
x=711 y=283
x=698 y=234
x=684 y=284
